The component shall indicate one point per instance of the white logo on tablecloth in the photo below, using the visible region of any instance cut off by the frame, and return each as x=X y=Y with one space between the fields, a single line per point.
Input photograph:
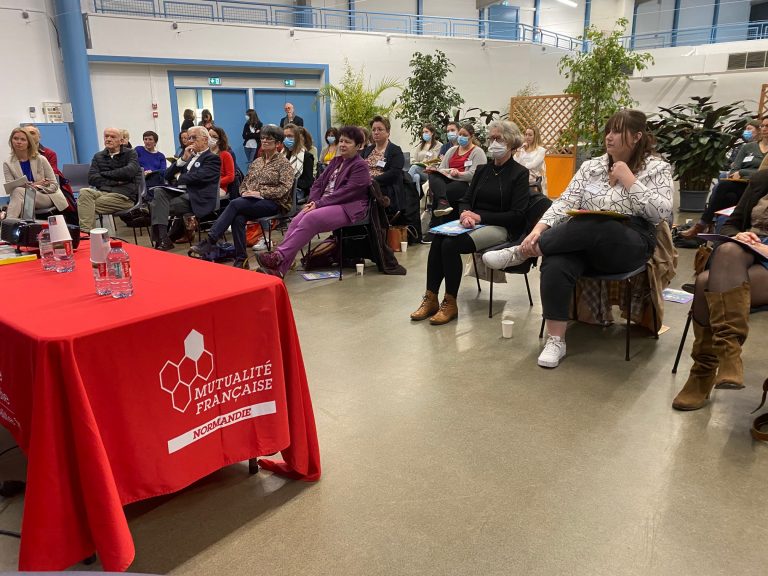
x=196 y=366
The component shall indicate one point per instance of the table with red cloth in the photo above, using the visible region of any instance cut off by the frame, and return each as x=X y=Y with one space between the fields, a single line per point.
x=118 y=400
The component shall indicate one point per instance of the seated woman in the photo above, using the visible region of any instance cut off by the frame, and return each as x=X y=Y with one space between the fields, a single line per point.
x=25 y=160
x=449 y=183
x=451 y=135
x=531 y=155
x=736 y=280
x=385 y=162
x=301 y=160
x=329 y=152
x=152 y=162
x=630 y=180
x=497 y=197
x=219 y=145
x=183 y=143
x=265 y=191
x=338 y=198
x=727 y=193
x=427 y=151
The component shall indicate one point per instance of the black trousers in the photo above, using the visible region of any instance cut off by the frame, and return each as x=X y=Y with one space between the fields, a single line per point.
x=444 y=262
x=597 y=245
x=724 y=195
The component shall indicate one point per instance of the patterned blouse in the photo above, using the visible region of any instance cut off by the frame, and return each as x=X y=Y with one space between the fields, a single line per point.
x=650 y=197
x=272 y=180
x=374 y=158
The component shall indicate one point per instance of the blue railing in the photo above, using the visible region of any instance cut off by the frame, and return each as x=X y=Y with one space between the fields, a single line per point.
x=695 y=36
x=244 y=12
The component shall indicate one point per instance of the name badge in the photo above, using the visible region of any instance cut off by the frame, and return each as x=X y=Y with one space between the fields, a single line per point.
x=197 y=164
x=749 y=158
x=381 y=164
x=593 y=188
x=467 y=163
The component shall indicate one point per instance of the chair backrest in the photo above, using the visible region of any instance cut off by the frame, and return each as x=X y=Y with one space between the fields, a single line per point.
x=77 y=174
x=537 y=205
x=294 y=197
x=28 y=211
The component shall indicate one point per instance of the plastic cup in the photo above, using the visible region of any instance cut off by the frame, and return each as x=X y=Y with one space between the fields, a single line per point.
x=99 y=244
x=57 y=227
x=403 y=246
x=360 y=268
x=506 y=328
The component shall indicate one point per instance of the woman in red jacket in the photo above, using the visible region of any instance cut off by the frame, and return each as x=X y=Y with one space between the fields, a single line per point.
x=219 y=144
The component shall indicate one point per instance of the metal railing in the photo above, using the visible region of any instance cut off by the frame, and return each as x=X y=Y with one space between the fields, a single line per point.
x=696 y=36
x=244 y=12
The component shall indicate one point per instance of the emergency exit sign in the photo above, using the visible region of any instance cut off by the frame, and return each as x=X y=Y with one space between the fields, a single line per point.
x=289 y=83
x=214 y=81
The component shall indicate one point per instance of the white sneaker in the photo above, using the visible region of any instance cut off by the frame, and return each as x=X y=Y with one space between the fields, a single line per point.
x=504 y=258
x=554 y=351
x=440 y=212
x=260 y=245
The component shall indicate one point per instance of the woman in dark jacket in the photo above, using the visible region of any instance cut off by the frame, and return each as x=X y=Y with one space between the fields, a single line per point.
x=736 y=280
x=497 y=198
x=252 y=134
x=385 y=162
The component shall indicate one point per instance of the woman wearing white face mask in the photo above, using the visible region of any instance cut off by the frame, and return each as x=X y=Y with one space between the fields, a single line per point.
x=219 y=144
x=426 y=153
x=497 y=197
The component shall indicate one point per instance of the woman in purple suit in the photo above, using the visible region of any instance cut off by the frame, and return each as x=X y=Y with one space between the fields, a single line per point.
x=338 y=198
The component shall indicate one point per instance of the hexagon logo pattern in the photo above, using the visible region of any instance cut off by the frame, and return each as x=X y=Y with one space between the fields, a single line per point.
x=196 y=366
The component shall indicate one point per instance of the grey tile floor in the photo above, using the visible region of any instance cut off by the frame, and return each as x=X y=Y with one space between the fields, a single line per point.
x=446 y=450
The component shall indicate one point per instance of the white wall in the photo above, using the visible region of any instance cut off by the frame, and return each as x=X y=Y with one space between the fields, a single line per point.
x=451 y=8
x=30 y=61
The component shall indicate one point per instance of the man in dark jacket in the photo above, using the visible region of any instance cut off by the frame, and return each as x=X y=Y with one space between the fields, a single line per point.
x=114 y=179
x=196 y=189
x=290 y=116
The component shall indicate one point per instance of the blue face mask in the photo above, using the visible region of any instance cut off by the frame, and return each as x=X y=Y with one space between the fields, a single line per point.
x=426 y=136
x=452 y=136
x=288 y=143
x=746 y=135
x=463 y=140
x=331 y=140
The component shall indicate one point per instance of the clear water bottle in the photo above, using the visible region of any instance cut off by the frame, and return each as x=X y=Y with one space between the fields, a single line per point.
x=64 y=259
x=119 y=270
x=46 y=248
x=101 y=278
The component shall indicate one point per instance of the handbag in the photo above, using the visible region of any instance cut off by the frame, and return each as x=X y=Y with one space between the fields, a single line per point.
x=395 y=235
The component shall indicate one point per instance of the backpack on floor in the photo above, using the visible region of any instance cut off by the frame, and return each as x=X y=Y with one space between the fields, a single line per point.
x=324 y=255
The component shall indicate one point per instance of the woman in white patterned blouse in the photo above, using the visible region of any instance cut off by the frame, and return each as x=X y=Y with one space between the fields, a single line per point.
x=633 y=186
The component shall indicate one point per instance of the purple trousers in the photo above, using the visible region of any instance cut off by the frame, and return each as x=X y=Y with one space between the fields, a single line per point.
x=304 y=226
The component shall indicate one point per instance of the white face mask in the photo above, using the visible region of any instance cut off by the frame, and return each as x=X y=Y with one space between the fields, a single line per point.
x=212 y=142
x=497 y=149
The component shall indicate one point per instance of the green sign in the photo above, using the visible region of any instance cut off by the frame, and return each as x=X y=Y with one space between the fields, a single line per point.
x=214 y=81
x=289 y=83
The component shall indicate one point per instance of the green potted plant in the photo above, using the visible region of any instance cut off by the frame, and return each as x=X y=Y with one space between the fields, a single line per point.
x=695 y=138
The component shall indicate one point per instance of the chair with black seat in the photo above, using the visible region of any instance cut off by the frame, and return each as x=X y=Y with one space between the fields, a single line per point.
x=359 y=230
x=282 y=220
x=141 y=199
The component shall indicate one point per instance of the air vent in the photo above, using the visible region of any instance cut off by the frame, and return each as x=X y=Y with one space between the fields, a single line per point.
x=737 y=61
x=756 y=60
x=747 y=60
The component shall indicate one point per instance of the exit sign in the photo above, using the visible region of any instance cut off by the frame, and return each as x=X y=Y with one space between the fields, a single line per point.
x=289 y=83
x=214 y=81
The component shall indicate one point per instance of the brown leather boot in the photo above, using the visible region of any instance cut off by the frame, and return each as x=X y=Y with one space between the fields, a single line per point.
x=729 y=318
x=428 y=306
x=701 y=379
x=448 y=311
x=694 y=230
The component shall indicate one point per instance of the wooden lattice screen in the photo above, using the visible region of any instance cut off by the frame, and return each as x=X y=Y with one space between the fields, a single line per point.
x=762 y=109
x=550 y=114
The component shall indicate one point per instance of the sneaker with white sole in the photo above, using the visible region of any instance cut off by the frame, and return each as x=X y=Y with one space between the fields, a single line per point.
x=504 y=258
x=554 y=351
x=443 y=209
x=260 y=245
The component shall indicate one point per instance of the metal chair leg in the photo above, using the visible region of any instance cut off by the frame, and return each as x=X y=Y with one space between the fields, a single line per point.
x=541 y=330
x=477 y=276
x=341 y=253
x=628 y=302
x=528 y=288
x=490 y=296
x=682 y=340
x=135 y=238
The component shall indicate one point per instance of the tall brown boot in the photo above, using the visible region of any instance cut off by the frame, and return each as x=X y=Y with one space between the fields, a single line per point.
x=448 y=311
x=701 y=380
x=729 y=318
x=428 y=306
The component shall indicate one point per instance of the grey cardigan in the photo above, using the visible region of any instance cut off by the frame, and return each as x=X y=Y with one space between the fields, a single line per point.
x=477 y=156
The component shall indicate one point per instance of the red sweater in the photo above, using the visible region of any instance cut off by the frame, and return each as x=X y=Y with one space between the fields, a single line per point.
x=227 y=169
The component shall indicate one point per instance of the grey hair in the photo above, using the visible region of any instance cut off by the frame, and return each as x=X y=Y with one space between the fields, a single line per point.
x=272 y=131
x=509 y=131
x=199 y=131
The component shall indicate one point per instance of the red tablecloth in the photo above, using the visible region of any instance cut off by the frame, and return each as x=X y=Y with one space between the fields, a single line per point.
x=115 y=401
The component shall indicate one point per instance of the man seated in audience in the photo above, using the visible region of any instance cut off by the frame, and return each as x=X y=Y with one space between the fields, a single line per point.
x=113 y=179
x=196 y=188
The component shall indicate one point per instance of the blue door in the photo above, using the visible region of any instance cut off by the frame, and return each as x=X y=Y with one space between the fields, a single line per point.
x=229 y=108
x=269 y=106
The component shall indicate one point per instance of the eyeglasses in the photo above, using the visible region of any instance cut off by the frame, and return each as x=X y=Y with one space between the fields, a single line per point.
x=378 y=129
x=267 y=139
x=499 y=139
x=191 y=138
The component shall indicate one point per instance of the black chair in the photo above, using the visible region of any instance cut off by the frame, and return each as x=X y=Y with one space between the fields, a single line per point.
x=523 y=269
x=77 y=174
x=359 y=230
x=627 y=278
x=282 y=219
x=141 y=199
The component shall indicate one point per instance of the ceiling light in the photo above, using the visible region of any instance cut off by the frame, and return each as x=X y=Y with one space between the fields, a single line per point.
x=570 y=3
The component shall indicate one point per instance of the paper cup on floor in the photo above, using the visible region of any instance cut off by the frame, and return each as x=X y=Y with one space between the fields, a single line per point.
x=58 y=229
x=403 y=246
x=506 y=328
x=99 y=244
x=360 y=269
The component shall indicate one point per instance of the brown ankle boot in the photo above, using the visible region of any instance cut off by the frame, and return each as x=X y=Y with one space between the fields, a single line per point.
x=694 y=230
x=428 y=306
x=728 y=316
x=701 y=380
x=448 y=311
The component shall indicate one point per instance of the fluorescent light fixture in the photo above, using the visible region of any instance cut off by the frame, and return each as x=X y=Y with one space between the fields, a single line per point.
x=570 y=3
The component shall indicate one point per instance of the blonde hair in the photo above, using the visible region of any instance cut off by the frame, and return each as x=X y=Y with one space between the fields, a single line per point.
x=31 y=142
x=536 y=137
x=125 y=135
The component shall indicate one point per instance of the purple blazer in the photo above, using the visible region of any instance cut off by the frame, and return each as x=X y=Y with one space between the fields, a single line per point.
x=350 y=190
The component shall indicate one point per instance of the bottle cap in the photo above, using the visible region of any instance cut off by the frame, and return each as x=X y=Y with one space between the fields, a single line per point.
x=44 y=225
x=115 y=244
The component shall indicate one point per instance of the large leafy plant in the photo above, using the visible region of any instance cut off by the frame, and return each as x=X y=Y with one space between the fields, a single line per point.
x=427 y=92
x=354 y=102
x=599 y=77
x=696 y=136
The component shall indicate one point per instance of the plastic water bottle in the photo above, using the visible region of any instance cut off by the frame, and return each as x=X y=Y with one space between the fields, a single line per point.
x=46 y=248
x=64 y=259
x=101 y=278
x=119 y=270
